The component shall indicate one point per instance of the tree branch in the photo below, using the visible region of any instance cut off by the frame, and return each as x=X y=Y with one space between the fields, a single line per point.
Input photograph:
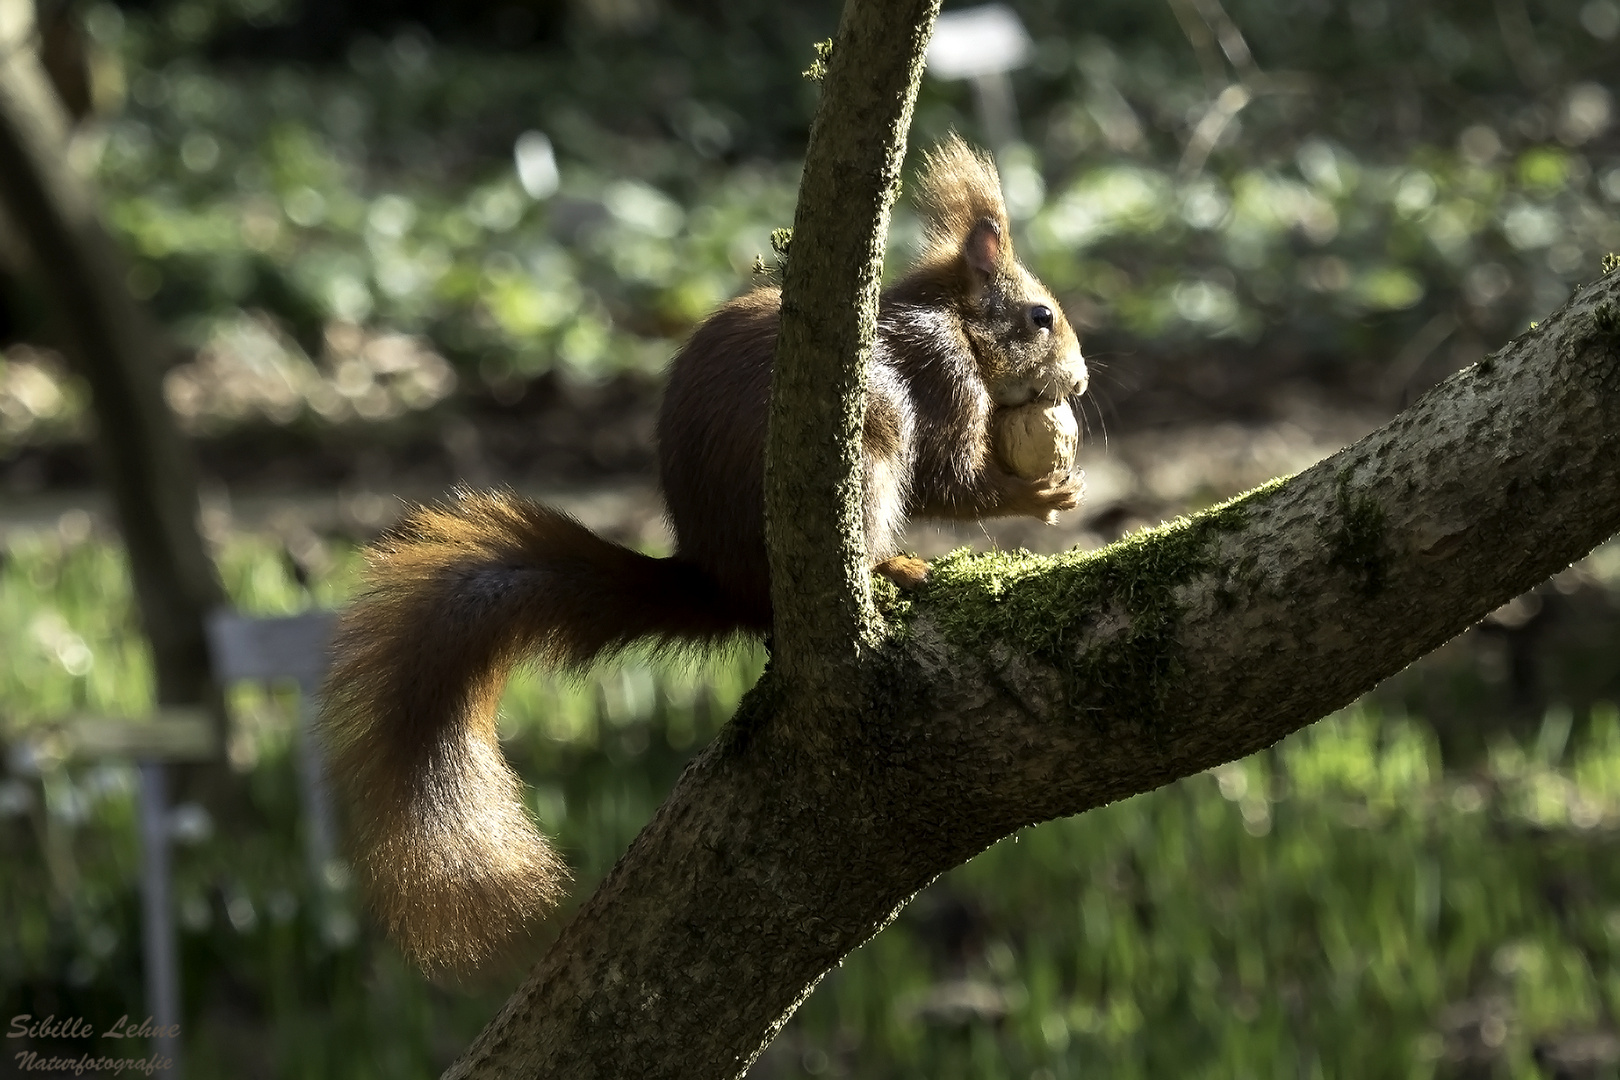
x=820 y=581
x=1018 y=689
x=1200 y=642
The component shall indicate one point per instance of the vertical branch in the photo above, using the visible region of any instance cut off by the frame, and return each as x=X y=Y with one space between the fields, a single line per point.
x=820 y=588
x=1227 y=33
x=1217 y=25
x=145 y=462
x=670 y=970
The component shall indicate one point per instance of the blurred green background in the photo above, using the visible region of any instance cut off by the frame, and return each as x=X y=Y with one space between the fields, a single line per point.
x=397 y=245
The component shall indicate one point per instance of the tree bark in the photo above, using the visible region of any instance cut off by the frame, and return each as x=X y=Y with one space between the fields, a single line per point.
x=1016 y=689
x=1013 y=690
x=820 y=592
x=147 y=465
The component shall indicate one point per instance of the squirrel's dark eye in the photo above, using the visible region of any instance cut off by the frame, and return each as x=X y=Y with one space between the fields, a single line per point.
x=1041 y=316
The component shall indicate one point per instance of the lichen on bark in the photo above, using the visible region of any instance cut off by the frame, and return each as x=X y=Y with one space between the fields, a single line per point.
x=1356 y=540
x=1106 y=621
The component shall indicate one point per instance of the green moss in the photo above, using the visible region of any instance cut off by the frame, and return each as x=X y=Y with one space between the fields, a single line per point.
x=893 y=604
x=1606 y=320
x=1611 y=263
x=1043 y=606
x=818 y=67
x=1357 y=543
x=781 y=241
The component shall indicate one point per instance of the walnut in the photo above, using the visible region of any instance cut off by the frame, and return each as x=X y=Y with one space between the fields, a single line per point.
x=1036 y=440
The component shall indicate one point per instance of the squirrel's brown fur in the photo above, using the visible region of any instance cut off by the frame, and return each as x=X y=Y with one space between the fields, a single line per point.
x=458 y=594
x=958 y=189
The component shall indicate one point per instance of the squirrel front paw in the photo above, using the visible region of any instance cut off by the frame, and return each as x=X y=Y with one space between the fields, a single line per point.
x=1043 y=498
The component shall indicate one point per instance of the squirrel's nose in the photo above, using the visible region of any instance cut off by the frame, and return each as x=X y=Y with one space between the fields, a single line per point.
x=1082 y=380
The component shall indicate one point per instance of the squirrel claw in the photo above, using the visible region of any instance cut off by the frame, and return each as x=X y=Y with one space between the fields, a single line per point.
x=1056 y=493
x=1042 y=498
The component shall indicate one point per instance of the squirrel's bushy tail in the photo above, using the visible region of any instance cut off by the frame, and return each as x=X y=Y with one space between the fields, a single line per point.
x=457 y=595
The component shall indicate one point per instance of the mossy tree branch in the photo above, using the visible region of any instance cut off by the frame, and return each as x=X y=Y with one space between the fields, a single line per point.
x=1013 y=690
x=820 y=591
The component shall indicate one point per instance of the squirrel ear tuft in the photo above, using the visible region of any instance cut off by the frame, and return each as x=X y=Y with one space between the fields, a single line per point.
x=982 y=248
x=960 y=197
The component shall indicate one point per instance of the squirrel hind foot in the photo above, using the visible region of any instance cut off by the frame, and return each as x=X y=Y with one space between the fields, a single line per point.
x=906 y=571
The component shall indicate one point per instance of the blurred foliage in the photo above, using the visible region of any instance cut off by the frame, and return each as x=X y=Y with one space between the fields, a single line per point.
x=538 y=188
x=280 y=976
x=342 y=215
x=1337 y=906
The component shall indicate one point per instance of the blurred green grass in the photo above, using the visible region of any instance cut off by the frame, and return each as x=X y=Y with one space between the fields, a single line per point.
x=1336 y=906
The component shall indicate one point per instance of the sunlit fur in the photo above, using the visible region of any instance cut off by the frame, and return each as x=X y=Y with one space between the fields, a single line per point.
x=994 y=295
x=956 y=190
x=458 y=594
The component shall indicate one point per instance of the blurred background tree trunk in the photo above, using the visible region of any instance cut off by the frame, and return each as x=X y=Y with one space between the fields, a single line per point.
x=145 y=463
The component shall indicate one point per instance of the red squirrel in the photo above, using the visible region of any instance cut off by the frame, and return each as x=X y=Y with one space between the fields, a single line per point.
x=457 y=594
